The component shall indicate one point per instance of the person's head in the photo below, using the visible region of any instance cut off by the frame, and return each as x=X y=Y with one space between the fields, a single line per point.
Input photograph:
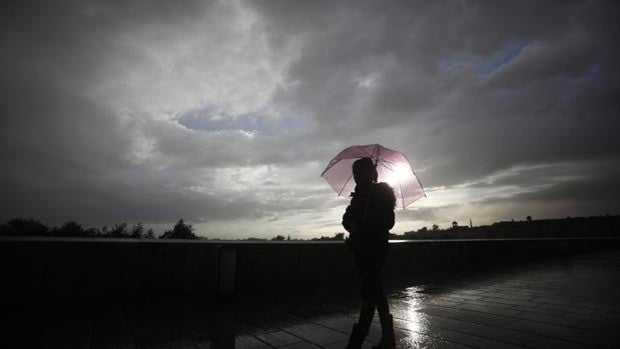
x=364 y=171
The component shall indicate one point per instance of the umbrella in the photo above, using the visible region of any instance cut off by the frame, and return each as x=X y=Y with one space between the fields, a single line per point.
x=393 y=167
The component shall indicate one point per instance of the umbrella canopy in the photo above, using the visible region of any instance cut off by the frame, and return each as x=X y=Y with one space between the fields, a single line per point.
x=393 y=167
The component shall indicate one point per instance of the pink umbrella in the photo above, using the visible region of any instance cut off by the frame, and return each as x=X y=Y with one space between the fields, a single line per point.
x=393 y=168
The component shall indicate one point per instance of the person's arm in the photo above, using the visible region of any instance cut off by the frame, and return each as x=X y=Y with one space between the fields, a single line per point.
x=351 y=217
x=348 y=220
x=385 y=201
x=389 y=219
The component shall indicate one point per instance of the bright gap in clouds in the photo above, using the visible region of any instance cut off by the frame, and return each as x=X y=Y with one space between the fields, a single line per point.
x=205 y=121
x=496 y=61
x=484 y=64
x=252 y=123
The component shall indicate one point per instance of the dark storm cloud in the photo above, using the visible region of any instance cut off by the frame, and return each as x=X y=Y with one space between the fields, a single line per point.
x=555 y=101
x=65 y=154
x=592 y=192
x=587 y=182
x=504 y=100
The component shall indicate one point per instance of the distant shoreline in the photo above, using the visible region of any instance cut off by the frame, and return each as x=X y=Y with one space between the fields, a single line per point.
x=569 y=227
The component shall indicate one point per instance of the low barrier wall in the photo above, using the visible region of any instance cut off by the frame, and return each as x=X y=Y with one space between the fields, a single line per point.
x=36 y=270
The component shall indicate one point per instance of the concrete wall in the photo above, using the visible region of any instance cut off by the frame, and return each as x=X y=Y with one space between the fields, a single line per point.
x=50 y=270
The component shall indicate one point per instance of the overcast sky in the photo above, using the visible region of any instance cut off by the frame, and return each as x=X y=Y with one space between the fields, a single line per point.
x=225 y=113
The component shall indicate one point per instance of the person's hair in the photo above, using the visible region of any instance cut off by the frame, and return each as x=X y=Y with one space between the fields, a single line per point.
x=365 y=165
x=384 y=194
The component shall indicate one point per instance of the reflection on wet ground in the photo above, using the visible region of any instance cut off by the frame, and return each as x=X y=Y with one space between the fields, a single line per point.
x=570 y=303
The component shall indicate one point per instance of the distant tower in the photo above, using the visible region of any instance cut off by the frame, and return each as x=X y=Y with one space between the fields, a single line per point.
x=470 y=225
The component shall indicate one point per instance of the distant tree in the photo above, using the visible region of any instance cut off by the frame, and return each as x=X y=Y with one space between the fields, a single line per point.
x=278 y=238
x=423 y=230
x=70 y=229
x=393 y=236
x=24 y=227
x=181 y=230
x=119 y=231
x=455 y=225
x=288 y=238
x=435 y=227
x=149 y=234
x=92 y=232
x=528 y=218
x=137 y=231
x=338 y=237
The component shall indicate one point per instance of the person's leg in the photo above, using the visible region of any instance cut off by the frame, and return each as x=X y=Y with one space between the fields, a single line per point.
x=383 y=307
x=387 y=324
x=367 y=309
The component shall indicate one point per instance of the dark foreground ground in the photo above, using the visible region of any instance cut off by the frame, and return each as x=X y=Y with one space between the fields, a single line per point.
x=561 y=303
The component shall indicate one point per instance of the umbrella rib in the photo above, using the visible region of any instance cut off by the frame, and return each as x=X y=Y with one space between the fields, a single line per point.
x=402 y=197
x=345 y=184
x=416 y=176
x=375 y=153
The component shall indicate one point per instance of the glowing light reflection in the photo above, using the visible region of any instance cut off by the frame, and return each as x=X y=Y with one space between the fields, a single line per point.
x=415 y=321
x=397 y=175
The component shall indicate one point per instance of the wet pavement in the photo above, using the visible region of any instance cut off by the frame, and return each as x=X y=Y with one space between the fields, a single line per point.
x=569 y=303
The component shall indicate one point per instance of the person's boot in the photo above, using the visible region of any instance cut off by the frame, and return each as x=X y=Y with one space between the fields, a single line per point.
x=358 y=334
x=387 y=334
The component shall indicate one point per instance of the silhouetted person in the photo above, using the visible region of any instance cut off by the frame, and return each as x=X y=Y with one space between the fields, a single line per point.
x=368 y=219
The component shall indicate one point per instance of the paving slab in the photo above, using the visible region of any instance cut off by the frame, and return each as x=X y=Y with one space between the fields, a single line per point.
x=569 y=303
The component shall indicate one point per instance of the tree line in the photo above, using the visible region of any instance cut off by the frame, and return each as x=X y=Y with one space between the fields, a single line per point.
x=336 y=237
x=33 y=227
x=607 y=225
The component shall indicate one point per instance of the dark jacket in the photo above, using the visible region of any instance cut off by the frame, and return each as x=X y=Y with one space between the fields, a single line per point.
x=370 y=216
